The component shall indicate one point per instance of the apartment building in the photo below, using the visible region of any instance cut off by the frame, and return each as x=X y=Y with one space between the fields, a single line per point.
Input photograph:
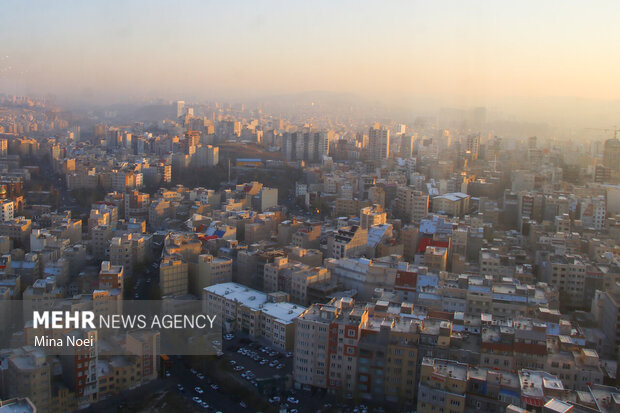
x=111 y=276
x=307 y=236
x=372 y=215
x=312 y=337
x=567 y=273
x=293 y=277
x=208 y=270
x=137 y=205
x=7 y=209
x=100 y=237
x=348 y=241
x=455 y=204
x=29 y=373
x=173 y=276
x=129 y=250
x=18 y=229
x=255 y=313
x=411 y=204
x=79 y=367
x=442 y=387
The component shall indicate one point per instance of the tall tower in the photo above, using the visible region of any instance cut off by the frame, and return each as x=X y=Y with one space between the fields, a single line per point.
x=379 y=142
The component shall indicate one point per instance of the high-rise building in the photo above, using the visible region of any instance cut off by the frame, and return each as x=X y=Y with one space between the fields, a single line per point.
x=611 y=154
x=307 y=145
x=406 y=145
x=178 y=107
x=379 y=142
x=472 y=145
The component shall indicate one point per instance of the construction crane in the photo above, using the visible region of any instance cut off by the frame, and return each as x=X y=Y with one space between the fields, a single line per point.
x=615 y=130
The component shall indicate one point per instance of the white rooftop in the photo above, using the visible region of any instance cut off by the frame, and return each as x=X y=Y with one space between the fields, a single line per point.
x=257 y=300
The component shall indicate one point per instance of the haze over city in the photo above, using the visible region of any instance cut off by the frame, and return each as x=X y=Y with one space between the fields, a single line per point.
x=309 y=207
x=521 y=60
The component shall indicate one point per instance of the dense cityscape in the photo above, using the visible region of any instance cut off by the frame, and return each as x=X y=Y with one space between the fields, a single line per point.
x=355 y=266
x=309 y=207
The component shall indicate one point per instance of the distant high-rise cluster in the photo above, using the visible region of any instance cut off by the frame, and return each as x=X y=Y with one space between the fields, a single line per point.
x=306 y=145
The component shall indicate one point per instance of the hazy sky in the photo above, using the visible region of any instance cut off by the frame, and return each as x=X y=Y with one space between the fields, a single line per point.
x=471 y=51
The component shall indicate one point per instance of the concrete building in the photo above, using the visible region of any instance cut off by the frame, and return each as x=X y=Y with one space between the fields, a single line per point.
x=29 y=373
x=593 y=212
x=306 y=145
x=455 y=204
x=293 y=277
x=411 y=204
x=137 y=205
x=436 y=258
x=443 y=386
x=209 y=270
x=111 y=277
x=18 y=229
x=173 y=276
x=363 y=275
x=253 y=312
x=307 y=236
x=379 y=142
x=348 y=241
x=79 y=367
x=128 y=251
x=567 y=273
x=373 y=215
x=265 y=199
x=7 y=208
